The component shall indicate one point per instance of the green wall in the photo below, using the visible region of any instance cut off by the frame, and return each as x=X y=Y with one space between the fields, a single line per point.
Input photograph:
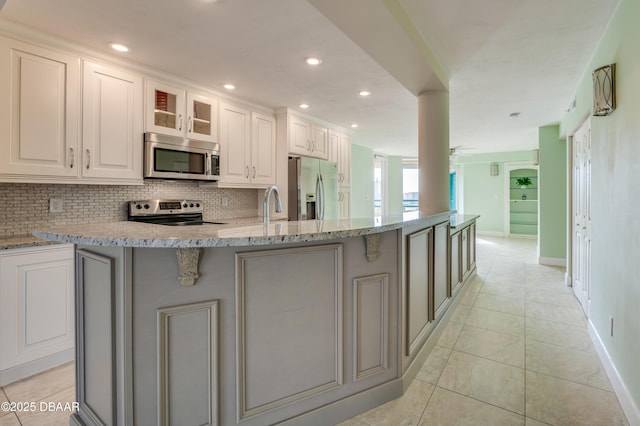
x=615 y=196
x=553 y=193
x=361 y=181
x=482 y=193
x=394 y=166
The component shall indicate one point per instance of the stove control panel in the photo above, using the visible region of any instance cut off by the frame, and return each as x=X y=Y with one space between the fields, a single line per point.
x=164 y=207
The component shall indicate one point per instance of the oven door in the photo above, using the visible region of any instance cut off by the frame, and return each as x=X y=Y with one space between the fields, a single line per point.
x=179 y=161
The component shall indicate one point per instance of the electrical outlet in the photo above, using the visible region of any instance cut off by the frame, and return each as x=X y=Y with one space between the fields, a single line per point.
x=55 y=205
x=225 y=202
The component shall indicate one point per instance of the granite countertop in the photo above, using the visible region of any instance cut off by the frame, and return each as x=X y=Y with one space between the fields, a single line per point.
x=461 y=220
x=23 y=241
x=243 y=233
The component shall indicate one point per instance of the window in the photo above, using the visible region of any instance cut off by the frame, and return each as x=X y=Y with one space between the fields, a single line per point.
x=380 y=185
x=410 y=184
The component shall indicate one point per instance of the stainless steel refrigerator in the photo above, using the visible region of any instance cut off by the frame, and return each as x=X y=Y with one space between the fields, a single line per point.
x=313 y=189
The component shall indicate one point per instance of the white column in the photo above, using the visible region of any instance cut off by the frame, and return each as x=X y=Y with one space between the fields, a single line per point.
x=433 y=151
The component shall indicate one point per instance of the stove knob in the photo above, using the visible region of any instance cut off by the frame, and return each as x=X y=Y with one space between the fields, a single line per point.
x=146 y=206
x=185 y=205
x=191 y=205
x=138 y=206
x=197 y=204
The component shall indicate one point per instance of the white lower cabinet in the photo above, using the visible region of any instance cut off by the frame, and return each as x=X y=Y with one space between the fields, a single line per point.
x=36 y=310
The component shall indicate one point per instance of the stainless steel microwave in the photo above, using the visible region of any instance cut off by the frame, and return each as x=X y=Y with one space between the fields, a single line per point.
x=170 y=157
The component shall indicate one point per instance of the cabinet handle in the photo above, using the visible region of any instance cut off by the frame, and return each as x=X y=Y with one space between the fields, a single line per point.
x=180 y=121
x=207 y=165
x=72 y=156
x=313 y=146
x=254 y=172
x=190 y=124
x=88 y=158
x=247 y=170
x=308 y=145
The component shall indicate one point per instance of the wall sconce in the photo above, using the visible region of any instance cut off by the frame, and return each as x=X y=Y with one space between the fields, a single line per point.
x=604 y=90
x=494 y=169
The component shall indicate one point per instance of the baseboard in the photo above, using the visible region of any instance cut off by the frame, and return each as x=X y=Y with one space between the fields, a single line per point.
x=567 y=280
x=552 y=261
x=39 y=365
x=629 y=406
x=490 y=233
x=523 y=236
x=349 y=407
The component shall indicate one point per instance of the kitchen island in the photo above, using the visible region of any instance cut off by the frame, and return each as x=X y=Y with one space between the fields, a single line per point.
x=292 y=322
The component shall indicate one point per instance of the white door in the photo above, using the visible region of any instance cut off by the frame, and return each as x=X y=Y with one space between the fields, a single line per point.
x=263 y=149
x=581 y=247
x=202 y=117
x=235 y=144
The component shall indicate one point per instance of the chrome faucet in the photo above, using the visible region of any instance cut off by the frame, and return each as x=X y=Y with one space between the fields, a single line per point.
x=267 y=197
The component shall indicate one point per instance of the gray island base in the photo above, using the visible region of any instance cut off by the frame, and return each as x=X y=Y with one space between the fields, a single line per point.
x=238 y=327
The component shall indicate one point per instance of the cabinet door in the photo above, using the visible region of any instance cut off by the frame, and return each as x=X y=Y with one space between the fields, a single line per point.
x=441 y=289
x=465 y=253
x=472 y=245
x=37 y=304
x=344 y=161
x=165 y=106
x=319 y=142
x=419 y=291
x=235 y=144
x=202 y=117
x=456 y=261
x=111 y=123
x=263 y=149
x=344 y=203
x=299 y=136
x=39 y=116
x=334 y=150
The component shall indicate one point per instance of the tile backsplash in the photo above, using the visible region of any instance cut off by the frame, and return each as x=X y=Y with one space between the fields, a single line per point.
x=25 y=206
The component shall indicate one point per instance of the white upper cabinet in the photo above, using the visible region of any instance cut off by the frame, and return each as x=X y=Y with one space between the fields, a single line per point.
x=111 y=123
x=39 y=120
x=307 y=139
x=263 y=149
x=247 y=148
x=344 y=161
x=174 y=111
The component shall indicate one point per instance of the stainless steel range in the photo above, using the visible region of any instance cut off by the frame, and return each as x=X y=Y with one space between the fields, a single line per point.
x=168 y=212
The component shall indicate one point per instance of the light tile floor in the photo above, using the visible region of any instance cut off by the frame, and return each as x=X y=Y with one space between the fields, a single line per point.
x=515 y=352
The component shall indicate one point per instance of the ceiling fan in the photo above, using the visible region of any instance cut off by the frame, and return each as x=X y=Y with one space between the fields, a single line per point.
x=459 y=150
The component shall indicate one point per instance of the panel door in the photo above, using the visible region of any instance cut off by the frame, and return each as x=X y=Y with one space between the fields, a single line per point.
x=39 y=115
x=456 y=268
x=344 y=160
x=299 y=136
x=37 y=304
x=235 y=144
x=334 y=149
x=202 y=117
x=111 y=123
x=319 y=142
x=441 y=289
x=466 y=265
x=419 y=289
x=263 y=149
x=165 y=109
x=581 y=247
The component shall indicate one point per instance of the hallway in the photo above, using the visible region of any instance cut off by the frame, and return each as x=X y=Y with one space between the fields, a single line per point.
x=516 y=351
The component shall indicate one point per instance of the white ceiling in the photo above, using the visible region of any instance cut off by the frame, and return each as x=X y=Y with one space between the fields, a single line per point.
x=500 y=56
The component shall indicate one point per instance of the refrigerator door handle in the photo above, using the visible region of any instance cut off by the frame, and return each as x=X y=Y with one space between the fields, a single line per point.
x=322 y=205
x=318 y=196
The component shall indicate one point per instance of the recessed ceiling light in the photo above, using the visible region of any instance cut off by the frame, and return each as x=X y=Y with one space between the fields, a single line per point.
x=514 y=115
x=119 y=47
x=365 y=93
x=304 y=106
x=229 y=86
x=313 y=61
x=354 y=125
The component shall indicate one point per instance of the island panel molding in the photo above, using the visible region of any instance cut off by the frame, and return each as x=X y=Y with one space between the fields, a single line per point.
x=284 y=296
x=370 y=325
x=188 y=265
x=188 y=336
x=96 y=347
x=419 y=289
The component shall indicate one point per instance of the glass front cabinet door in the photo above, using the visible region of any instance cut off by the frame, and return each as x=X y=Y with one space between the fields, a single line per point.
x=177 y=112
